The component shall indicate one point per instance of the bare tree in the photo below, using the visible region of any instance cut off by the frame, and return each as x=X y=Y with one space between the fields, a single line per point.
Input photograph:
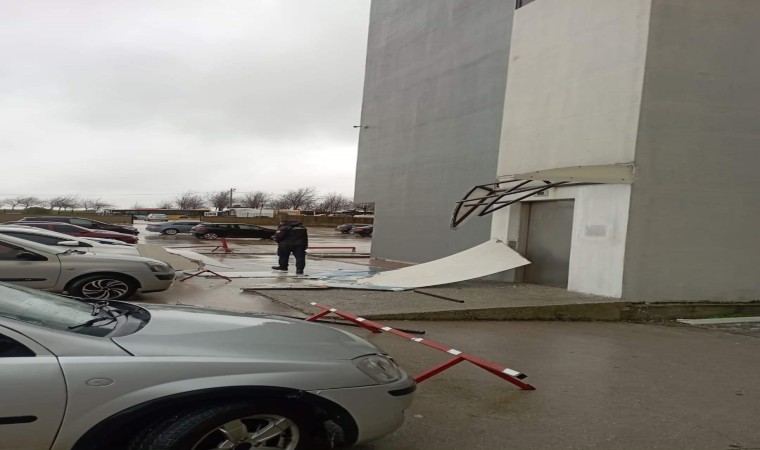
x=137 y=206
x=165 y=204
x=87 y=204
x=279 y=203
x=94 y=205
x=256 y=199
x=13 y=202
x=72 y=201
x=364 y=207
x=219 y=200
x=190 y=200
x=333 y=202
x=26 y=202
x=301 y=198
x=100 y=204
x=63 y=202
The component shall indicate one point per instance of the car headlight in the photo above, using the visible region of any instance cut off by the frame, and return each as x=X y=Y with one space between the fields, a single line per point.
x=380 y=368
x=156 y=267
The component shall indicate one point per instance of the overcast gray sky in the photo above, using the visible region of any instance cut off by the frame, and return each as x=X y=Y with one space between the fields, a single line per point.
x=135 y=101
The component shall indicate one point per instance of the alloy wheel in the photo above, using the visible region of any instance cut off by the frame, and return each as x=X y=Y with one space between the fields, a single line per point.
x=105 y=289
x=262 y=431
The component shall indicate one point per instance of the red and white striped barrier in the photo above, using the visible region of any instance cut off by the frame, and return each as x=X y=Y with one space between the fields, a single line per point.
x=506 y=373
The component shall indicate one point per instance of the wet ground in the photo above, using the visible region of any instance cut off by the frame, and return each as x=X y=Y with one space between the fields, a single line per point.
x=599 y=385
x=345 y=251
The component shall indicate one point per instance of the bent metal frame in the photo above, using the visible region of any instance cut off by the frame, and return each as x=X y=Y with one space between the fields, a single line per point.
x=484 y=199
x=505 y=373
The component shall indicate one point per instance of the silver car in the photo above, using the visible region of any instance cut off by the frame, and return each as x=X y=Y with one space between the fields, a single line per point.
x=80 y=274
x=117 y=376
x=173 y=227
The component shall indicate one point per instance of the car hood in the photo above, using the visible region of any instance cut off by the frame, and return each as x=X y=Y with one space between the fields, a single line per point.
x=201 y=332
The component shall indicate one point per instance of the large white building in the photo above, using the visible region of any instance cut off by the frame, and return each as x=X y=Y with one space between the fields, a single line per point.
x=667 y=88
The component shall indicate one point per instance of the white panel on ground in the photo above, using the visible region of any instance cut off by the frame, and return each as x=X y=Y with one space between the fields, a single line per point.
x=487 y=258
x=197 y=257
x=176 y=261
x=253 y=274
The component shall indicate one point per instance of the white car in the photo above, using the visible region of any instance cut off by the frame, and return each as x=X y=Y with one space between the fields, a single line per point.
x=157 y=217
x=80 y=274
x=116 y=376
x=65 y=242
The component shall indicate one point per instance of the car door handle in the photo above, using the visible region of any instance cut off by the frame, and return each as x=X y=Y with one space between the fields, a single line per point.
x=17 y=419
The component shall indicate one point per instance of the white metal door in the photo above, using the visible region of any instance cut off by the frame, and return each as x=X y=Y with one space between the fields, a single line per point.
x=550 y=227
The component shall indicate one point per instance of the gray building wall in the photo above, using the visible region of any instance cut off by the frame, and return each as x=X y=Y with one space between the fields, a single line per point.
x=694 y=224
x=433 y=102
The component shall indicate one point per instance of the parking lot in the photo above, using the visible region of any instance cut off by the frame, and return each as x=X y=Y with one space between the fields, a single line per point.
x=599 y=385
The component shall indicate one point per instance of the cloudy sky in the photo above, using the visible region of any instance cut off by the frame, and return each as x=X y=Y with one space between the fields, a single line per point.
x=136 y=101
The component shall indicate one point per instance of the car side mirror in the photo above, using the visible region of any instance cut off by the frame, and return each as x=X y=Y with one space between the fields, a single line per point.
x=29 y=256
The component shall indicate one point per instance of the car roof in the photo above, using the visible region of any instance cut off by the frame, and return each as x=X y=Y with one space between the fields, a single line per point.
x=45 y=218
x=32 y=223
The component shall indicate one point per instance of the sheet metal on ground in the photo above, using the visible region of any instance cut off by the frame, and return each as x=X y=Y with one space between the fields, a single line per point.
x=180 y=260
x=491 y=257
x=488 y=258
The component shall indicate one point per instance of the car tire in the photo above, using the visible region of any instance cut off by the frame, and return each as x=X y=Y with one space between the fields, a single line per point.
x=210 y=236
x=239 y=425
x=170 y=231
x=103 y=287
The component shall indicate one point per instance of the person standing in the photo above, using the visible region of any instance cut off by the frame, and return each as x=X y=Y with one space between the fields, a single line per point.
x=291 y=237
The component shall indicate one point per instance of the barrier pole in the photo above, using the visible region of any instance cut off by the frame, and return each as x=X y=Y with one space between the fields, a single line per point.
x=438 y=369
x=503 y=372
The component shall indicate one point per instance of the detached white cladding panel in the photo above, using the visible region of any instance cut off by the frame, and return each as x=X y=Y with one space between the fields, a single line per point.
x=574 y=84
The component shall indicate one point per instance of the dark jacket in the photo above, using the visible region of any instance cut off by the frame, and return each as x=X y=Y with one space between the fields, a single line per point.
x=292 y=234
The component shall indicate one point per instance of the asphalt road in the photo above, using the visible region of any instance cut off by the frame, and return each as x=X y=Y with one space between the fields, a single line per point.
x=598 y=386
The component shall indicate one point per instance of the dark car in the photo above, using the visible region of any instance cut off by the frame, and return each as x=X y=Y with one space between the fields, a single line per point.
x=75 y=230
x=362 y=230
x=231 y=230
x=173 y=227
x=346 y=227
x=86 y=223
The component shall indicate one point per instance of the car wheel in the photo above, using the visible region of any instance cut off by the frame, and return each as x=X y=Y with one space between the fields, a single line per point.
x=170 y=231
x=103 y=287
x=234 y=426
x=210 y=236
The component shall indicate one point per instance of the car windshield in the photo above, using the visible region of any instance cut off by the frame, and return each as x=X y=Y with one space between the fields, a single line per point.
x=41 y=308
x=68 y=314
